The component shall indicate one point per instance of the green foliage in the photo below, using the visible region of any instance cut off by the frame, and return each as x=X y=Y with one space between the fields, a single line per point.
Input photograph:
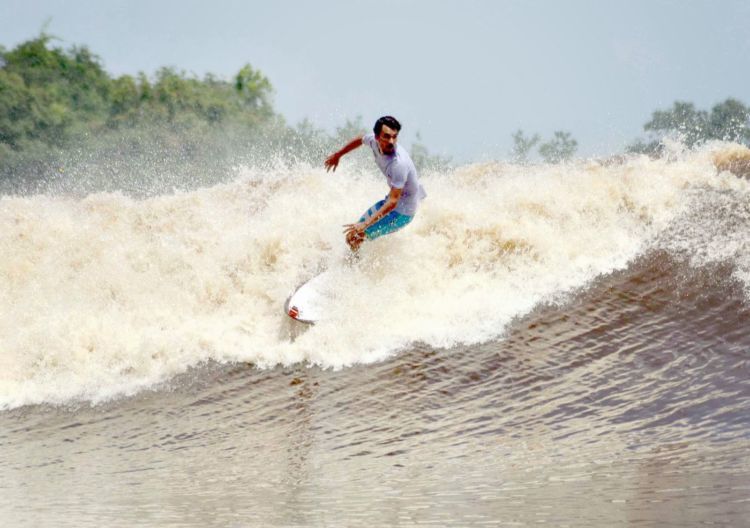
x=653 y=148
x=727 y=121
x=253 y=89
x=560 y=148
x=730 y=121
x=57 y=97
x=522 y=145
x=66 y=125
x=125 y=96
x=53 y=93
x=15 y=105
x=690 y=124
x=61 y=113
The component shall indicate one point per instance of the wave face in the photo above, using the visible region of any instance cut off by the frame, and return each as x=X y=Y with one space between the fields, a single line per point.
x=107 y=295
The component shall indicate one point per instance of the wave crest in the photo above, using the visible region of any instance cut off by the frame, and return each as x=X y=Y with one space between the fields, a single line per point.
x=106 y=295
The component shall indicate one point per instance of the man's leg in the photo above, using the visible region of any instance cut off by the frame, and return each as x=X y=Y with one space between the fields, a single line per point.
x=355 y=240
x=390 y=223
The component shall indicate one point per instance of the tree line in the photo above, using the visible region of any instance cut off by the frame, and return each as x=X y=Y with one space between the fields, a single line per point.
x=55 y=97
x=60 y=111
x=726 y=121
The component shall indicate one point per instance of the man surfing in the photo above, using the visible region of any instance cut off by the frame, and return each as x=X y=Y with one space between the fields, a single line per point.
x=398 y=208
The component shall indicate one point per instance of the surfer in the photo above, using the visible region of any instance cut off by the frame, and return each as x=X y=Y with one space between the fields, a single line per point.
x=397 y=209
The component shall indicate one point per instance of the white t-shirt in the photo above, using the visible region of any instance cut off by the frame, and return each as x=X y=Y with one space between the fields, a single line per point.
x=400 y=172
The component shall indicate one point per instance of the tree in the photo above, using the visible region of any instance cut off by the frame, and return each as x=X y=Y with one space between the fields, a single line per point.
x=125 y=99
x=683 y=120
x=253 y=88
x=653 y=148
x=728 y=121
x=59 y=107
x=16 y=102
x=56 y=95
x=560 y=148
x=522 y=145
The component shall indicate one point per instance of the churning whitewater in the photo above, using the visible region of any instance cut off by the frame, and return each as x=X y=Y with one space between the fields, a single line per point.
x=106 y=295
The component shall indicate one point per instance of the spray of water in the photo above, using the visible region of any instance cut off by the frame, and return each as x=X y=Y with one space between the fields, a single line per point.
x=104 y=295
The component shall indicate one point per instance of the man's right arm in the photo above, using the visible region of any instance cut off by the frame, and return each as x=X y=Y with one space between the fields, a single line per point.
x=333 y=160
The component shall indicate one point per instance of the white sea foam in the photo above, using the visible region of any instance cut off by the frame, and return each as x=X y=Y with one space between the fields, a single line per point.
x=106 y=295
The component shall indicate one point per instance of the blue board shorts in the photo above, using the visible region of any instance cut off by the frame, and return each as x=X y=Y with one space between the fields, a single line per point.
x=391 y=222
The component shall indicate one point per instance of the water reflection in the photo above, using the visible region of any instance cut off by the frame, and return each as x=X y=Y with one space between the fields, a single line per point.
x=626 y=406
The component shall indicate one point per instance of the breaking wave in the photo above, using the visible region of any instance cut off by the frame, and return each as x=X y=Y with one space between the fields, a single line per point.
x=106 y=295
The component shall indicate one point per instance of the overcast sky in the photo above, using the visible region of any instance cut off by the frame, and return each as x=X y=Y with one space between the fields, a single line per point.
x=465 y=74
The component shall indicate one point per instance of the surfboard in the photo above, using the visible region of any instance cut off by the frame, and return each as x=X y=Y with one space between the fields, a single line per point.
x=306 y=303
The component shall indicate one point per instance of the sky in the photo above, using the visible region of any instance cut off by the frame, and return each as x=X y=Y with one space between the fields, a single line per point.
x=464 y=75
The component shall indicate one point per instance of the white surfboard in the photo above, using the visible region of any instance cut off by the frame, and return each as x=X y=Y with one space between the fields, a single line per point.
x=306 y=303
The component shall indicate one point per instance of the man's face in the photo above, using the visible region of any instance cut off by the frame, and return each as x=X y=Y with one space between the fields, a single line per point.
x=387 y=140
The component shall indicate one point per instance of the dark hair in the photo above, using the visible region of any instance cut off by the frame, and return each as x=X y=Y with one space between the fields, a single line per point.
x=389 y=121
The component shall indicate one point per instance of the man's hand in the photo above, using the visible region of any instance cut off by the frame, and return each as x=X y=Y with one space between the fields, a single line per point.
x=355 y=235
x=332 y=162
x=358 y=229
